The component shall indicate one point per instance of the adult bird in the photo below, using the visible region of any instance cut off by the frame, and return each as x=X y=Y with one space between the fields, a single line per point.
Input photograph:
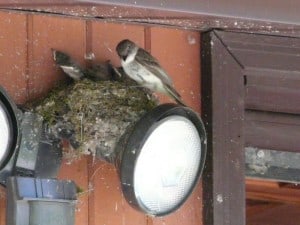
x=142 y=67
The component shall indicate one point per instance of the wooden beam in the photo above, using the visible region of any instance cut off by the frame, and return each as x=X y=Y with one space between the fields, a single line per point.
x=272 y=192
x=254 y=207
x=272 y=130
x=223 y=112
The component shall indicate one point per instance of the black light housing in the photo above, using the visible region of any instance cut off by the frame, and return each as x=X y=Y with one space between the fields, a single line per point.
x=26 y=148
x=161 y=158
x=29 y=150
x=40 y=201
x=9 y=136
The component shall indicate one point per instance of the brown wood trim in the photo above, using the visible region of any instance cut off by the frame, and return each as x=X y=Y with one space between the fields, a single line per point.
x=269 y=130
x=272 y=192
x=273 y=99
x=256 y=207
x=269 y=90
x=223 y=111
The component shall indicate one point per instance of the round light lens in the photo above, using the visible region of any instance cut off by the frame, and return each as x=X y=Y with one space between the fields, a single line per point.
x=168 y=165
x=5 y=129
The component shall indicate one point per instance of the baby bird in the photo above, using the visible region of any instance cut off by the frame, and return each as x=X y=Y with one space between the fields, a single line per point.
x=68 y=65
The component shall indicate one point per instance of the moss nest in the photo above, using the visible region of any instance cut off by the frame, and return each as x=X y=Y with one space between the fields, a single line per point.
x=92 y=115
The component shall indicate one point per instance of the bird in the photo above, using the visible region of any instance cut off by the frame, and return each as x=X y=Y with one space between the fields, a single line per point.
x=142 y=67
x=100 y=72
x=96 y=72
x=68 y=65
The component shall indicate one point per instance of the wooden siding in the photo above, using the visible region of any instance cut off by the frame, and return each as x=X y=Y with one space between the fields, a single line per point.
x=269 y=120
x=223 y=115
x=27 y=71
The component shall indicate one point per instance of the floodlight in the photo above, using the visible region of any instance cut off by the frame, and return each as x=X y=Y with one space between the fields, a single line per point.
x=26 y=147
x=10 y=133
x=161 y=158
x=6 y=128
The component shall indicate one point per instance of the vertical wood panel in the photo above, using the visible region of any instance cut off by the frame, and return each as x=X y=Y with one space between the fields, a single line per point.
x=107 y=205
x=106 y=36
x=13 y=35
x=13 y=65
x=2 y=206
x=223 y=113
x=178 y=51
x=68 y=35
x=48 y=32
x=77 y=171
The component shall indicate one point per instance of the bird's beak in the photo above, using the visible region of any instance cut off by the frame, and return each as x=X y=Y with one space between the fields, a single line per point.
x=53 y=53
x=124 y=57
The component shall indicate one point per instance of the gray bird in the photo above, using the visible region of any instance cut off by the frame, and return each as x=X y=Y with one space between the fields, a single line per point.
x=142 y=67
x=96 y=72
x=100 y=72
x=68 y=65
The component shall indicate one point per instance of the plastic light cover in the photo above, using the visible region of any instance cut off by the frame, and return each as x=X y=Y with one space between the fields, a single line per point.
x=5 y=132
x=168 y=165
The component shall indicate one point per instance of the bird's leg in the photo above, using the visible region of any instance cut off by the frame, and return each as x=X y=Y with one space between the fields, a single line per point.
x=117 y=72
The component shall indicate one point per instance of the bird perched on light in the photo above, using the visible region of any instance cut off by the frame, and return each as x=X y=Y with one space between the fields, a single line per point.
x=142 y=67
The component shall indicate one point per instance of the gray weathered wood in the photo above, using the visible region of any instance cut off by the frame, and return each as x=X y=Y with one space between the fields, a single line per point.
x=273 y=165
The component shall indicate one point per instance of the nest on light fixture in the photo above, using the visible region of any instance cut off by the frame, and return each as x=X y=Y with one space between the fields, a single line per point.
x=159 y=150
x=93 y=115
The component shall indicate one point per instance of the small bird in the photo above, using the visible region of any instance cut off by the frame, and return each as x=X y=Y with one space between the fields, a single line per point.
x=68 y=65
x=96 y=72
x=100 y=72
x=142 y=67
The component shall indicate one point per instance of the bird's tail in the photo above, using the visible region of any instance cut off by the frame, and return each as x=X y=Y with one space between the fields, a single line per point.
x=174 y=94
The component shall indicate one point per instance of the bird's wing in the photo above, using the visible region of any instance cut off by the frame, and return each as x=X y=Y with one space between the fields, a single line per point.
x=73 y=72
x=148 y=61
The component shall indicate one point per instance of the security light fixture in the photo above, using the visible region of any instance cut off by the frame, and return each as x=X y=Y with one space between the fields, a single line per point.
x=8 y=126
x=161 y=158
x=25 y=148
x=40 y=201
x=10 y=133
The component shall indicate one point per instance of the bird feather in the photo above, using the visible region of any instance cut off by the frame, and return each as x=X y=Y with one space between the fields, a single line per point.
x=148 y=61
